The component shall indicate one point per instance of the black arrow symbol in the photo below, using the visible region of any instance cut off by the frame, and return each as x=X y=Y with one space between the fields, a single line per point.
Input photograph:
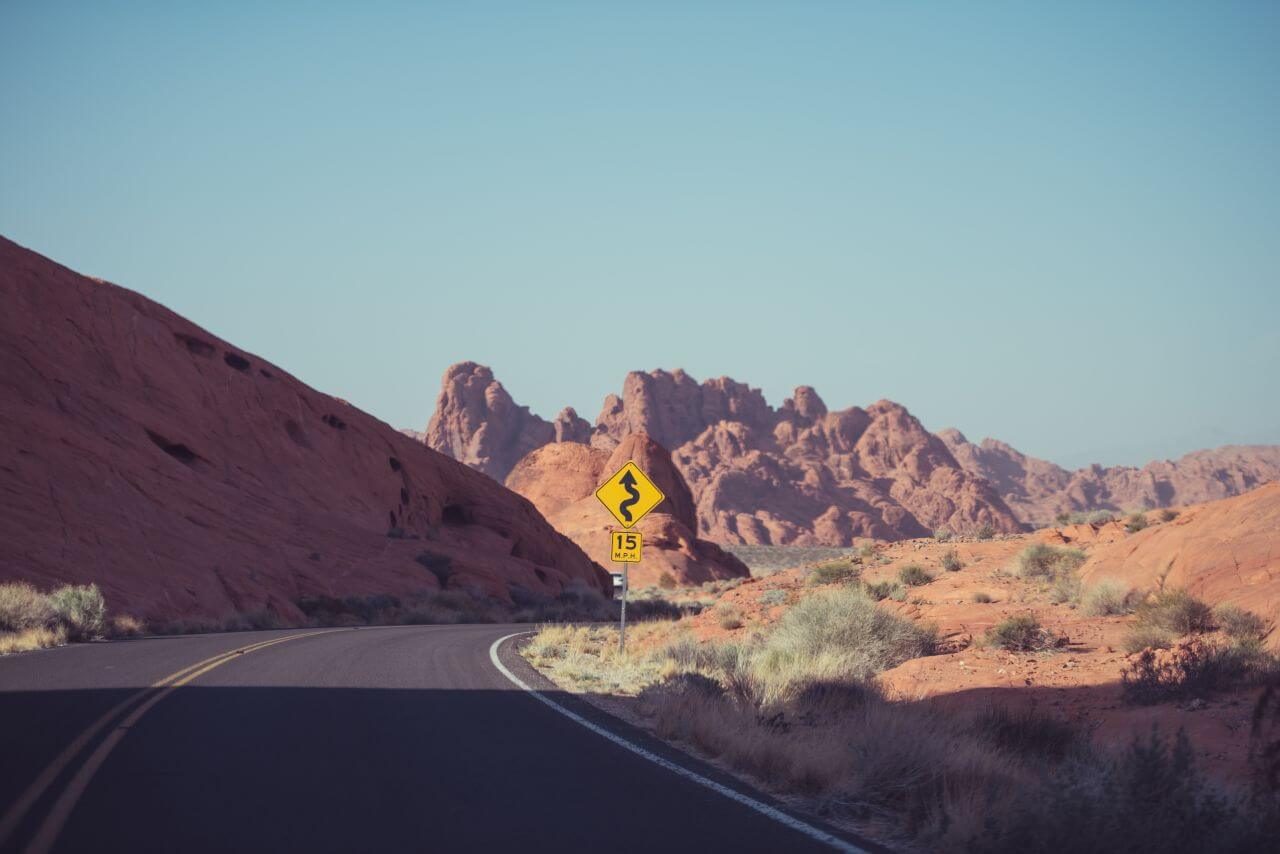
x=628 y=481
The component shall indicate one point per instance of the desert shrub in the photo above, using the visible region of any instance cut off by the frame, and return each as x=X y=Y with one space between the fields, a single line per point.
x=1136 y=522
x=1108 y=599
x=40 y=637
x=1176 y=611
x=986 y=532
x=1043 y=562
x=23 y=607
x=774 y=597
x=834 y=572
x=81 y=609
x=942 y=535
x=1020 y=633
x=1088 y=517
x=981 y=598
x=729 y=617
x=1195 y=669
x=951 y=561
x=913 y=575
x=1147 y=637
x=867 y=552
x=1066 y=589
x=839 y=635
x=878 y=590
x=1027 y=732
x=126 y=626
x=1239 y=624
x=667 y=581
x=1149 y=799
x=1168 y=515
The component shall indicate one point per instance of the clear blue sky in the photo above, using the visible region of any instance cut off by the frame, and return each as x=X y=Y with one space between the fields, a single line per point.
x=1055 y=226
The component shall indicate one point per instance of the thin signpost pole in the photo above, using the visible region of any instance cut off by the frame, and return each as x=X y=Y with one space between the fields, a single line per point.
x=622 y=630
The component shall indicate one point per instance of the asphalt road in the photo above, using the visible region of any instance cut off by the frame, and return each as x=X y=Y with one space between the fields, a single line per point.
x=351 y=740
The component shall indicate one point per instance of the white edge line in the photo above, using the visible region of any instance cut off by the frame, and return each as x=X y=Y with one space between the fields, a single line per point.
x=733 y=795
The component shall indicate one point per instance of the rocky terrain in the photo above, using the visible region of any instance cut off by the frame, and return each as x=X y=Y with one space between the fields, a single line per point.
x=795 y=475
x=187 y=477
x=561 y=479
x=803 y=475
x=1037 y=490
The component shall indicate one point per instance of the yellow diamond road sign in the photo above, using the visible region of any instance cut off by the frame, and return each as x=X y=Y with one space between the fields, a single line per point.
x=629 y=494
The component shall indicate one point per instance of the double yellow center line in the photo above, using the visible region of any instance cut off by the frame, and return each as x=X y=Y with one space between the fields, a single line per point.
x=51 y=827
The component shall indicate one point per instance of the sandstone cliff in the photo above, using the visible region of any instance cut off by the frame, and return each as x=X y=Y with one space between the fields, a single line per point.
x=187 y=477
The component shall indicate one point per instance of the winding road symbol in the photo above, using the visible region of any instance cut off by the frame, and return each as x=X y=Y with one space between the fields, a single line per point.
x=628 y=494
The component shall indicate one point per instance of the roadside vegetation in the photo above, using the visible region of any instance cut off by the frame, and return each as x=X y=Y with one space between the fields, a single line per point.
x=796 y=707
x=30 y=619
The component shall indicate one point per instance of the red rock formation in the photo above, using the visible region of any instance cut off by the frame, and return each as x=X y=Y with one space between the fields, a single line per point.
x=561 y=479
x=1222 y=551
x=477 y=422
x=188 y=477
x=1037 y=490
x=799 y=474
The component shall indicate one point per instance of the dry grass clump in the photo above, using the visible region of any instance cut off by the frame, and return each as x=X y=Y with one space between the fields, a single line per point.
x=878 y=590
x=986 y=532
x=1021 y=633
x=1108 y=599
x=1197 y=668
x=841 y=571
x=1089 y=517
x=1241 y=625
x=1053 y=567
x=30 y=619
x=914 y=575
x=1176 y=611
x=1136 y=522
x=951 y=561
x=587 y=658
x=982 y=598
x=1168 y=515
x=729 y=617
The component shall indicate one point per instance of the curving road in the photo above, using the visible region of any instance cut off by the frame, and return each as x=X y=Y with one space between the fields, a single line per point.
x=373 y=739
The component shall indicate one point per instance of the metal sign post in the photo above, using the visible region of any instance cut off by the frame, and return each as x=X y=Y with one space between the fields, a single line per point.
x=628 y=495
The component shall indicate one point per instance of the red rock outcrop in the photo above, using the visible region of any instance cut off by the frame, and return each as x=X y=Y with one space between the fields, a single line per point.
x=187 y=477
x=476 y=422
x=1223 y=551
x=561 y=479
x=1038 y=490
x=796 y=475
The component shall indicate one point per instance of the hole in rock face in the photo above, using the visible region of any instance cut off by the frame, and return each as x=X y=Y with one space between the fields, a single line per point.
x=395 y=464
x=392 y=514
x=295 y=433
x=541 y=573
x=404 y=495
x=266 y=373
x=455 y=514
x=235 y=360
x=177 y=450
x=335 y=422
x=200 y=348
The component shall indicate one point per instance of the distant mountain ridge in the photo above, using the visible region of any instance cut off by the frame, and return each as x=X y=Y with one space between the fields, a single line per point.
x=803 y=475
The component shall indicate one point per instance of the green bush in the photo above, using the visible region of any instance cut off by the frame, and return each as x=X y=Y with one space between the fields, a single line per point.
x=982 y=598
x=1196 y=669
x=1167 y=515
x=82 y=609
x=1147 y=637
x=1088 y=517
x=1136 y=522
x=951 y=561
x=22 y=607
x=878 y=590
x=942 y=535
x=986 y=532
x=914 y=575
x=729 y=617
x=1176 y=611
x=774 y=597
x=667 y=581
x=834 y=572
x=1020 y=633
x=1239 y=624
x=839 y=634
x=1108 y=599
x=1043 y=562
